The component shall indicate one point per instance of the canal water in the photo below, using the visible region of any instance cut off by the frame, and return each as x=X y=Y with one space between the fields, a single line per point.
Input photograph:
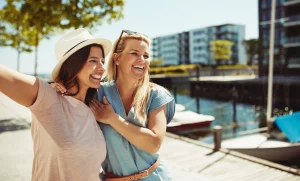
x=248 y=117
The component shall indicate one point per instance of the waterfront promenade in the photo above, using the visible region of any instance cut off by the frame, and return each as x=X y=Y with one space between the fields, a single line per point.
x=187 y=159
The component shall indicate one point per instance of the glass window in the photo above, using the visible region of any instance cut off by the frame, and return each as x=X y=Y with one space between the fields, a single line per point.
x=282 y=37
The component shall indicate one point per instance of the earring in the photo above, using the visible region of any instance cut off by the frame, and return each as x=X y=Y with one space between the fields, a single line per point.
x=117 y=62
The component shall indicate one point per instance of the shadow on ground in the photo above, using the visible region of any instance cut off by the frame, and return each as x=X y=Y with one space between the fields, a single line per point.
x=13 y=125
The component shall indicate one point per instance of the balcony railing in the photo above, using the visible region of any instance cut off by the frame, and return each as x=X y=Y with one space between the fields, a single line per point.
x=294 y=39
x=294 y=62
x=292 y=20
x=291 y=2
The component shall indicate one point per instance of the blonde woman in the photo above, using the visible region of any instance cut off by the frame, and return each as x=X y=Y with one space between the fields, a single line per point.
x=68 y=143
x=134 y=113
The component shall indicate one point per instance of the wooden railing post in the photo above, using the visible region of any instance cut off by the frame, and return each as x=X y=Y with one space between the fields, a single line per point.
x=175 y=93
x=217 y=130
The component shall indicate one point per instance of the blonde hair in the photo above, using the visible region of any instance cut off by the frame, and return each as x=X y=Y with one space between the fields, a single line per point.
x=143 y=87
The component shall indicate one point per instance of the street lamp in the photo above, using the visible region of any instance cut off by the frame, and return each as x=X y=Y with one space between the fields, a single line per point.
x=271 y=60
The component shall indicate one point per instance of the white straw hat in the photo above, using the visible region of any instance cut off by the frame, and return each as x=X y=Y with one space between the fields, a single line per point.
x=73 y=41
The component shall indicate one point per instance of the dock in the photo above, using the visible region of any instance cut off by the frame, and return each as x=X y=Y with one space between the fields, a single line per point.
x=194 y=161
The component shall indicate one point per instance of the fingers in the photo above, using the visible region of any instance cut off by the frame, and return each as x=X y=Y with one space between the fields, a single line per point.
x=92 y=109
x=94 y=105
x=104 y=100
x=59 y=87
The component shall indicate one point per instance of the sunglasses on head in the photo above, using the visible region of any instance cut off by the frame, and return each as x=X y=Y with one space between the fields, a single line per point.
x=129 y=32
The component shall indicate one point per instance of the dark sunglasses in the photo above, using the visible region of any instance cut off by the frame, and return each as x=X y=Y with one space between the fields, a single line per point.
x=129 y=32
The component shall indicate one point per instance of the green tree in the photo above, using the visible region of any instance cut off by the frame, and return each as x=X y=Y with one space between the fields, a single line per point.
x=251 y=46
x=221 y=50
x=17 y=37
x=89 y=13
x=47 y=17
x=156 y=62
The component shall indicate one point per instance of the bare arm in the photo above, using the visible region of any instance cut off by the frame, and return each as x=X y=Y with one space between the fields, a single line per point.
x=148 y=139
x=19 y=87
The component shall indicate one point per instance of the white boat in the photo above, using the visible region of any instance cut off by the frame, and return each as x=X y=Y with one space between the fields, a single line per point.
x=282 y=144
x=179 y=107
x=189 y=120
x=261 y=146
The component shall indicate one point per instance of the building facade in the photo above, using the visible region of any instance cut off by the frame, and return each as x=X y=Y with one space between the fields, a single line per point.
x=194 y=46
x=286 y=37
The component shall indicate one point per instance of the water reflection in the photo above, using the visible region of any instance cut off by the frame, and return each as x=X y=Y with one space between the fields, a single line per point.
x=248 y=117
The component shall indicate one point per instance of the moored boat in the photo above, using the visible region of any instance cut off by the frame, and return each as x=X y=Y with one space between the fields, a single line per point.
x=189 y=120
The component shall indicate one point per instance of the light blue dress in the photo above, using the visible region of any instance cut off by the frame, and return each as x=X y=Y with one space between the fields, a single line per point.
x=123 y=158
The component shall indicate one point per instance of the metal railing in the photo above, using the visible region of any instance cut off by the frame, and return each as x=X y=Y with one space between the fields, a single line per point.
x=292 y=18
x=293 y=39
x=294 y=60
x=292 y=0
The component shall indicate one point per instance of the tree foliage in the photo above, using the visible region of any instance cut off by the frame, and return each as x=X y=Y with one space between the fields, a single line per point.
x=221 y=50
x=156 y=62
x=14 y=34
x=251 y=46
x=90 y=13
x=36 y=20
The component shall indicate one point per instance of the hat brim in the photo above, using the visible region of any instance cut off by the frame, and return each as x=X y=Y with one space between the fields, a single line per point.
x=106 y=44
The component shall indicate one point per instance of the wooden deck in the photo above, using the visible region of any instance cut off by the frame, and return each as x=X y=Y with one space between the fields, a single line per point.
x=189 y=160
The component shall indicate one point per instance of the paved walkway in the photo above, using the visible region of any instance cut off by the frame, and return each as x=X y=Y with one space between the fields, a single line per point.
x=16 y=155
x=16 y=151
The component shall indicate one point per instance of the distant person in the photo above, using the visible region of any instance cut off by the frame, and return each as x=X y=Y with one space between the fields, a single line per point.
x=68 y=143
x=134 y=113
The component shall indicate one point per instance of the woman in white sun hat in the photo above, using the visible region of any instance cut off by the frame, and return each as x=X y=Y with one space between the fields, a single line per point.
x=68 y=142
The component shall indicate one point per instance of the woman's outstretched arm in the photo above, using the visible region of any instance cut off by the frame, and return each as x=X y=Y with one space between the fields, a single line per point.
x=19 y=87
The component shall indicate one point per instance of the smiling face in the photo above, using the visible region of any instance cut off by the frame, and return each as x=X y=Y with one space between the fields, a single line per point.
x=134 y=60
x=91 y=73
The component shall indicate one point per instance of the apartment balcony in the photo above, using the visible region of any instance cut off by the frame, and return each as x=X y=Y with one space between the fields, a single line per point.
x=294 y=62
x=292 y=20
x=154 y=49
x=292 y=42
x=291 y=2
x=183 y=43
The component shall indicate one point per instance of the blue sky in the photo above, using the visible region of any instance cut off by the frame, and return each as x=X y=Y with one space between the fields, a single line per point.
x=153 y=18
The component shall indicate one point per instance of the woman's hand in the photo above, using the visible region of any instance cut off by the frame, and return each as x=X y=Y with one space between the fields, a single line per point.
x=102 y=112
x=59 y=87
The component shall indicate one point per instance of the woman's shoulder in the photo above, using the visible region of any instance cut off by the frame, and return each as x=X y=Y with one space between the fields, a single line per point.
x=106 y=88
x=157 y=90
x=161 y=96
x=45 y=86
x=47 y=96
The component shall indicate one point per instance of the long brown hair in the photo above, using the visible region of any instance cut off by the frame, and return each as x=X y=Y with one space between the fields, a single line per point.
x=72 y=66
